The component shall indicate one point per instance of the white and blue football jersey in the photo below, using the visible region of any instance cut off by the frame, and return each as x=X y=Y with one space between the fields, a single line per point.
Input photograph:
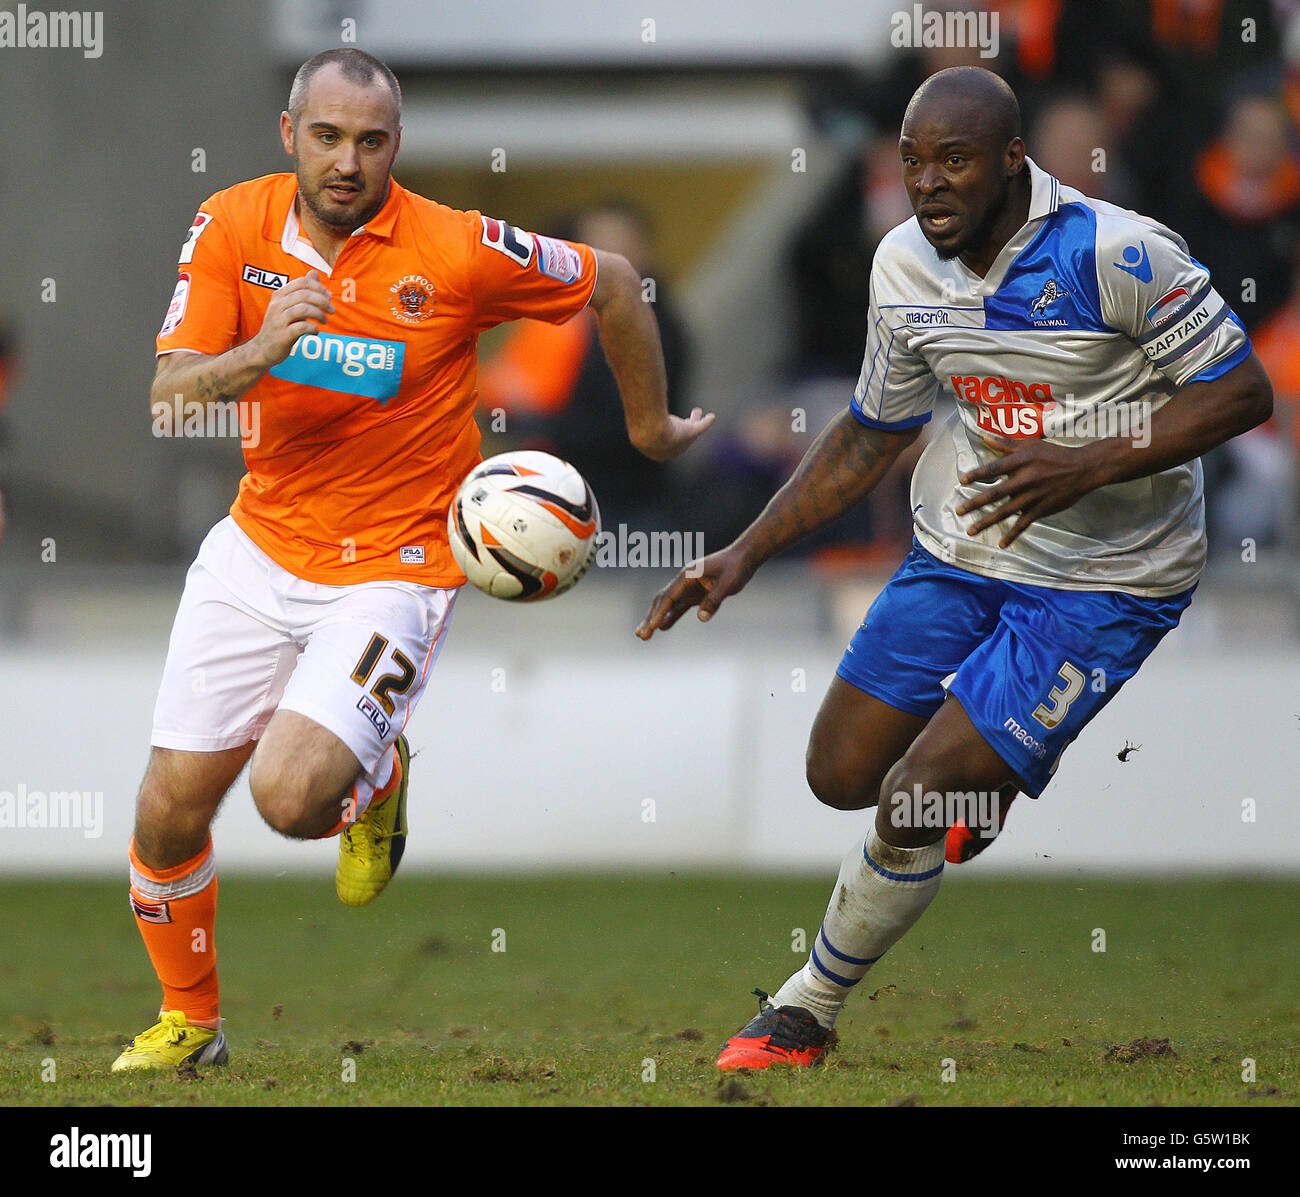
x=1089 y=320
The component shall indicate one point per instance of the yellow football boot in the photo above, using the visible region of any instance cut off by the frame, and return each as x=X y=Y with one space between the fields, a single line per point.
x=171 y=1042
x=371 y=849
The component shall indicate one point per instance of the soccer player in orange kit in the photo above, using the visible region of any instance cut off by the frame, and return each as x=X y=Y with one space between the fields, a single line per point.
x=341 y=313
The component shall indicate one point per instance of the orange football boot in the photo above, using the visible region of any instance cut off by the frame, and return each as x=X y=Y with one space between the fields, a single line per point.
x=778 y=1035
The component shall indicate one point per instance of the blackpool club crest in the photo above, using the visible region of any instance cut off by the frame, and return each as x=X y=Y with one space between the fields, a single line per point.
x=412 y=299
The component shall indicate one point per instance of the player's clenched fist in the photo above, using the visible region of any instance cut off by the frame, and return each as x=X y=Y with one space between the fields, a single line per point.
x=296 y=309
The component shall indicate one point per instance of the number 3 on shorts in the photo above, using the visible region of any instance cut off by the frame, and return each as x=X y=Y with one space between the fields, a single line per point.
x=1060 y=697
x=390 y=683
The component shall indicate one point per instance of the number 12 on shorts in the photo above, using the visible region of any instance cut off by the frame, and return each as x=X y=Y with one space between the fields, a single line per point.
x=1060 y=697
x=388 y=684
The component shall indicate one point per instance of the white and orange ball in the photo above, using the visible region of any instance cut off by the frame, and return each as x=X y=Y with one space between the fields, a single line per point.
x=523 y=526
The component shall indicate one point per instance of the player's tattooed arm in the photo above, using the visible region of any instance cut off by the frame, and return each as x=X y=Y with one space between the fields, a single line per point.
x=843 y=465
x=629 y=335
x=183 y=378
x=297 y=308
x=1039 y=478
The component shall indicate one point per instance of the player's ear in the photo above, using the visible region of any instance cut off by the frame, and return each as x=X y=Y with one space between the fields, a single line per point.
x=1015 y=156
x=286 y=133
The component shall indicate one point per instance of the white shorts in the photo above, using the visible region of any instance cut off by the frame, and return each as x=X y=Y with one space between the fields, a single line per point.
x=250 y=638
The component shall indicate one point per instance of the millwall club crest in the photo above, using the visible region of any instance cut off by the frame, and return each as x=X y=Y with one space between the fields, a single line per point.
x=412 y=299
x=1046 y=297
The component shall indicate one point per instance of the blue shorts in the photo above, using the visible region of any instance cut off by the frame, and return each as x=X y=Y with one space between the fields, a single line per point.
x=1030 y=665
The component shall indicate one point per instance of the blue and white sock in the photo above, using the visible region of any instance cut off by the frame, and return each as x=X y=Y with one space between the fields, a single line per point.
x=881 y=891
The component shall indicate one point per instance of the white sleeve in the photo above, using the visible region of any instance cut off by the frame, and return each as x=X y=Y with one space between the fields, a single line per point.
x=1153 y=290
x=896 y=388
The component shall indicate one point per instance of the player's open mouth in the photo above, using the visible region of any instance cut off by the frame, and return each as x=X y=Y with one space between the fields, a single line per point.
x=937 y=222
x=344 y=194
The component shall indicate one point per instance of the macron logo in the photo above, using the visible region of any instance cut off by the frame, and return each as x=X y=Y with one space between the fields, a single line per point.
x=1136 y=262
x=1037 y=747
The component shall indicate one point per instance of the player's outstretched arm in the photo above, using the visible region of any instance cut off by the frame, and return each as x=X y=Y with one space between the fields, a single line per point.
x=297 y=308
x=629 y=334
x=845 y=462
x=1041 y=478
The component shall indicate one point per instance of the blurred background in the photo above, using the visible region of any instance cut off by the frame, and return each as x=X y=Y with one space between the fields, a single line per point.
x=742 y=154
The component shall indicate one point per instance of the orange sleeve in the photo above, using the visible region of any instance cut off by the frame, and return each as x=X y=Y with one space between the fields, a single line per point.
x=204 y=310
x=513 y=274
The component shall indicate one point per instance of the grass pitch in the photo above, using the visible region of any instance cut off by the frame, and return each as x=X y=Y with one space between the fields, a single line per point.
x=600 y=990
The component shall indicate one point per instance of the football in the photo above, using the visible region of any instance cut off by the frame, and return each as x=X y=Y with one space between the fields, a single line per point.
x=523 y=526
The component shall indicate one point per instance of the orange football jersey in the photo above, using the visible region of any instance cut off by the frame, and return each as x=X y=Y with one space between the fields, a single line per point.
x=363 y=433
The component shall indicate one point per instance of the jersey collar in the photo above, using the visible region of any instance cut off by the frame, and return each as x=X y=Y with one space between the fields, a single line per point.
x=1044 y=191
x=381 y=224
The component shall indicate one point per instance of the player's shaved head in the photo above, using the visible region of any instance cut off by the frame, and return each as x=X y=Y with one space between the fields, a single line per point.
x=356 y=66
x=973 y=101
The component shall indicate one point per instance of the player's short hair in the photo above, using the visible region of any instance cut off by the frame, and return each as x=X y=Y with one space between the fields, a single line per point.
x=357 y=67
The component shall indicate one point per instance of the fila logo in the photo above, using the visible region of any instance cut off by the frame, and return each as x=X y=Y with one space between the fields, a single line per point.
x=370 y=709
x=264 y=278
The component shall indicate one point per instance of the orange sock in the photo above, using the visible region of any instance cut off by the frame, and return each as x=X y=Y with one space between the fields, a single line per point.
x=394 y=780
x=381 y=795
x=176 y=911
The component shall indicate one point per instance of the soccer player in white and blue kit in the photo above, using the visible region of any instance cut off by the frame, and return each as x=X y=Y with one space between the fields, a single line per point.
x=1058 y=513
